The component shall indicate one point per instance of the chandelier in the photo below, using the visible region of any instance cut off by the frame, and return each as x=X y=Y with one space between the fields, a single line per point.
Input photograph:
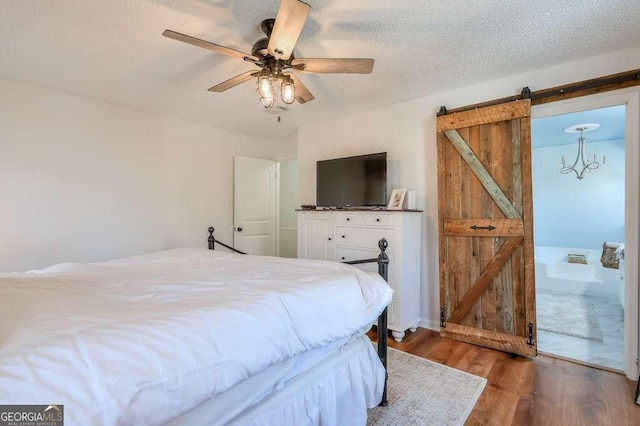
x=582 y=162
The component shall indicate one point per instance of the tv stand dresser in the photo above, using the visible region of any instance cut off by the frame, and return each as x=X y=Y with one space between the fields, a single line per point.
x=352 y=234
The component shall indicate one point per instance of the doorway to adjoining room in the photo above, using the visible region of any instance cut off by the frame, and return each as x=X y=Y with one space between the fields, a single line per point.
x=265 y=195
x=578 y=165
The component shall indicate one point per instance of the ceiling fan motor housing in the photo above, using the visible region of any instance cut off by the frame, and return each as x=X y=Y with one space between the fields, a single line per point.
x=267 y=26
x=259 y=48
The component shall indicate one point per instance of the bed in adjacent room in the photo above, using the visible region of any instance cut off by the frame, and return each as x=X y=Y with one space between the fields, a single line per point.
x=191 y=336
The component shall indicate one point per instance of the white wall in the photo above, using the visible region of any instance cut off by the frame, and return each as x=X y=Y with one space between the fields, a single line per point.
x=578 y=213
x=288 y=178
x=82 y=180
x=407 y=131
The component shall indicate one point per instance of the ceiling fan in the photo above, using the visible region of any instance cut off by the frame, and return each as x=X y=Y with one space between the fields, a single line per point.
x=273 y=54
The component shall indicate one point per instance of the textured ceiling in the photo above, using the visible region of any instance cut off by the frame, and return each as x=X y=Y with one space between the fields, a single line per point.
x=549 y=131
x=113 y=50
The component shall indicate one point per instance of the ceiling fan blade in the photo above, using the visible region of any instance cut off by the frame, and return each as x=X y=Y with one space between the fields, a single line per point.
x=234 y=81
x=333 y=66
x=208 y=45
x=287 y=28
x=303 y=95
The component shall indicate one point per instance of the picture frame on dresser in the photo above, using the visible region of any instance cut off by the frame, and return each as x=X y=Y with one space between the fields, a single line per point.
x=396 y=199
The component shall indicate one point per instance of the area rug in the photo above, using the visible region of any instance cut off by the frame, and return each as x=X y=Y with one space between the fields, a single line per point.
x=567 y=314
x=422 y=392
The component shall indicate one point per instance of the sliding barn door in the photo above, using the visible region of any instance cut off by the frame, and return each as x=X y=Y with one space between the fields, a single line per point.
x=487 y=292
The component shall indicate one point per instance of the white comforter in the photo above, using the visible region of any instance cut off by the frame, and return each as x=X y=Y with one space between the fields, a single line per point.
x=143 y=339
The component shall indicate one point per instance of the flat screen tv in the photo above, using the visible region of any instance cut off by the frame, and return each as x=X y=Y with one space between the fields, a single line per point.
x=352 y=181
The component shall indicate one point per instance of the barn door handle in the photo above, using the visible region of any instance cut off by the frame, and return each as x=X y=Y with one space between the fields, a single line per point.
x=488 y=228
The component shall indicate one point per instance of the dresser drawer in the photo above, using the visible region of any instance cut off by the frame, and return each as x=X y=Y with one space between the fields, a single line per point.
x=352 y=235
x=349 y=219
x=366 y=238
x=346 y=255
x=379 y=220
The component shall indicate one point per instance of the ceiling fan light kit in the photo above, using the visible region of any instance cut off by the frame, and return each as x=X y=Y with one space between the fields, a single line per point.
x=274 y=56
x=266 y=92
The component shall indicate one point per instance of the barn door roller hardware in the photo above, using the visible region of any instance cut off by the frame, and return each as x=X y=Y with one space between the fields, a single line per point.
x=596 y=85
x=583 y=85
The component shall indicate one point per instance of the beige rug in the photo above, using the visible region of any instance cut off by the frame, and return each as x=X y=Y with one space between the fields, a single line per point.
x=568 y=314
x=422 y=392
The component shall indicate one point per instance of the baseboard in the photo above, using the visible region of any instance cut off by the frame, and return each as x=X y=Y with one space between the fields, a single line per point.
x=634 y=373
x=431 y=325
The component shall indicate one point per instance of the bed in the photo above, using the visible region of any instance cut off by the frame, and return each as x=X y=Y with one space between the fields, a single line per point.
x=190 y=336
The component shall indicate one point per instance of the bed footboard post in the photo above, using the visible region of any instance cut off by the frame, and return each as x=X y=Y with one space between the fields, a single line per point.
x=382 y=352
x=383 y=270
x=211 y=239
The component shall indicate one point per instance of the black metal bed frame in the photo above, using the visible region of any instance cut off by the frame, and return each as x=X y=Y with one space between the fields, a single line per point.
x=383 y=269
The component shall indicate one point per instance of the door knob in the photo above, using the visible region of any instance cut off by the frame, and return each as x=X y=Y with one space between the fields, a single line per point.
x=239 y=229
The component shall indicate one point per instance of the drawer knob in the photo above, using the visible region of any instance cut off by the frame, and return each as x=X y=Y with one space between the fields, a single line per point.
x=343 y=236
x=348 y=219
x=329 y=238
x=342 y=257
x=377 y=219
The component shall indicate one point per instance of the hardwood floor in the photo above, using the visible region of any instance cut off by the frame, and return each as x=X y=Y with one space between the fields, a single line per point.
x=524 y=391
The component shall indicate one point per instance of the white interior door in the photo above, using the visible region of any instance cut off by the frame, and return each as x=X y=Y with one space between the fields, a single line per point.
x=254 y=206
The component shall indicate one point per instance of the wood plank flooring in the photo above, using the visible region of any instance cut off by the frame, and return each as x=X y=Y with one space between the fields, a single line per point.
x=525 y=391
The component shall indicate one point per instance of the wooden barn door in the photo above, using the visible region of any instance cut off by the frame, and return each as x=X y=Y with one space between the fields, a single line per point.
x=487 y=293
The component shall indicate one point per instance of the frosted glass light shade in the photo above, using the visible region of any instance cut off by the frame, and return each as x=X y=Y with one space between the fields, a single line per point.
x=267 y=102
x=288 y=92
x=265 y=88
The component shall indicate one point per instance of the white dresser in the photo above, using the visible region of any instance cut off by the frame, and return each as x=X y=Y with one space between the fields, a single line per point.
x=345 y=235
